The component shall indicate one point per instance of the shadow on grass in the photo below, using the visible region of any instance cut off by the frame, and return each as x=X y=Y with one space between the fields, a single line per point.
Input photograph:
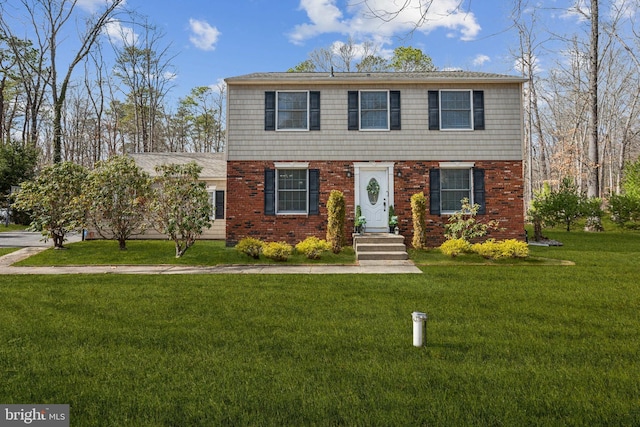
x=162 y=252
x=433 y=257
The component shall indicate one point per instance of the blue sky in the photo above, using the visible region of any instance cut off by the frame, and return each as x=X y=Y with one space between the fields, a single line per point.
x=220 y=38
x=215 y=39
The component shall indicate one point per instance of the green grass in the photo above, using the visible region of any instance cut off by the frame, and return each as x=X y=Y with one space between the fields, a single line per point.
x=148 y=252
x=5 y=251
x=11 y=227
x=433 y=257
x=506 y=345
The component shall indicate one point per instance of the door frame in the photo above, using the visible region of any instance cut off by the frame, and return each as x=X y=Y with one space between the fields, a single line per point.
x=373 y=166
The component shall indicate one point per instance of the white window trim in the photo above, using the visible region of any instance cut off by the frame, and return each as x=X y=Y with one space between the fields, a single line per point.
x=278 y=111
x=360 y=111
x=457 y=166
x=211 y=190
x=291 y=165
x=470 y=91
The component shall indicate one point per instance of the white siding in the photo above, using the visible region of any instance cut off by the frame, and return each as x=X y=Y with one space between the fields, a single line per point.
x=502 y=139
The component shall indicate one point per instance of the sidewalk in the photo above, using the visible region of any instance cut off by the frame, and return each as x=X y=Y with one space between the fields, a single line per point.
x=364 y=267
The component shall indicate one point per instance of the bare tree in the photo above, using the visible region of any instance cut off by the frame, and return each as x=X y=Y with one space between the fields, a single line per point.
x=144 y=68
x=30 y=70
x=392 y=10
x=536 y=167
x=48 y=19
x=342 y=56
x=593 y=176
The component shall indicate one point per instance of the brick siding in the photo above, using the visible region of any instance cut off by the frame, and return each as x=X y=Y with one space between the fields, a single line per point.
x=245 y=201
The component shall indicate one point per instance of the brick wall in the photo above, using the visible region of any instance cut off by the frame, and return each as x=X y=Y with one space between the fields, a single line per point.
x=245 y=201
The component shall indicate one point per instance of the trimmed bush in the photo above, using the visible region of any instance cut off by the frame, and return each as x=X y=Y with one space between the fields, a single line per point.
x=455 y=247
x=312 y=247
x=419 y=213
x=250 y=246
x=493 y=249
x=488 y=249
x=335 y=221
x=277 y=251
x=516 y=248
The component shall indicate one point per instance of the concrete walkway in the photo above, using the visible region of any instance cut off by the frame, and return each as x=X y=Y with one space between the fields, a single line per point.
x=363 y=267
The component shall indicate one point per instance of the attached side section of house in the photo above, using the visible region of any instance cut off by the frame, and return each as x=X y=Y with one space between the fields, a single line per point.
x=213 y=174
x=379 y=138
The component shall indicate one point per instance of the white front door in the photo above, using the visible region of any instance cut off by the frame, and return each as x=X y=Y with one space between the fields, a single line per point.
x=374 y=198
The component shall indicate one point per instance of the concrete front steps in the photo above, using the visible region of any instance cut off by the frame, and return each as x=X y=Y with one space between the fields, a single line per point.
x=379 y=247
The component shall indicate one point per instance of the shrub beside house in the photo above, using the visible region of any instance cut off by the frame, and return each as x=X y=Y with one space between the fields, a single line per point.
x=214 y=174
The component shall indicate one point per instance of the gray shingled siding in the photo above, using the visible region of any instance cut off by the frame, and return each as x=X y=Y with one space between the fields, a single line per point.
x=502 y=139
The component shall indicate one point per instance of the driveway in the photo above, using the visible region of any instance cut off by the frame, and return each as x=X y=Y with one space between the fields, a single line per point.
x=30 y=239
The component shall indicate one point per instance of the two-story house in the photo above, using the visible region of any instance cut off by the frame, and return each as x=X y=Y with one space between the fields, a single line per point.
x=377 y=137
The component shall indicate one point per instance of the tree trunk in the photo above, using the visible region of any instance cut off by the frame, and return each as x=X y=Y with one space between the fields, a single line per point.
x=537 y=230
x=593 y=168
x=58 y=240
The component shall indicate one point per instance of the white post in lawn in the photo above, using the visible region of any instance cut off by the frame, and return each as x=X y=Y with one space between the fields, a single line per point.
x=419 y=323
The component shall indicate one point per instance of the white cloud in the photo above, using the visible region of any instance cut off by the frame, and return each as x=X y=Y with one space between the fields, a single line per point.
x=623 y=9
x=364 y=19
x=170 y=75
x=325 y=17
x=480 y=60
x=537 y=68
x=203 y=36
x=580 y=11
x=120 y=34
x=218 y=86
x=94 y=5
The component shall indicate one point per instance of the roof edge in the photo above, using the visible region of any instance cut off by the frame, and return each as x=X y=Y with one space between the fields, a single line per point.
x=276 y=78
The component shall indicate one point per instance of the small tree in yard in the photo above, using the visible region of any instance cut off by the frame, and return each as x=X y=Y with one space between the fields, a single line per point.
x=625 y=210
x=536 y=212
x=566 y=205
x=180 y=208
x=335 y=220
x=631 y=183
x=117 y=195
x=465 y=225
x=53 y=198
x=625 y=207
x=419 y=213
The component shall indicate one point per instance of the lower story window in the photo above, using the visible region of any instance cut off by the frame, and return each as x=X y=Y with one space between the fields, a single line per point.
x=216 y=201
x=455 y=185
x=292 y=190
x=452 y=182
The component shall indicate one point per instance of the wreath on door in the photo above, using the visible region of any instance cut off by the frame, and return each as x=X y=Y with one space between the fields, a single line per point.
x=373 y=189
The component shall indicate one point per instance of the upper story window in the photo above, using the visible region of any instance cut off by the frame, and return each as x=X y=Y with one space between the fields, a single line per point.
x=374 y=110
x=456 y=110
x=292 y=110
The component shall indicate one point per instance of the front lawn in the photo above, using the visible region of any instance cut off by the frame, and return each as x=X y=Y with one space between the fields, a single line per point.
x=148 y=252
x=506 y=344
x=5 y=251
